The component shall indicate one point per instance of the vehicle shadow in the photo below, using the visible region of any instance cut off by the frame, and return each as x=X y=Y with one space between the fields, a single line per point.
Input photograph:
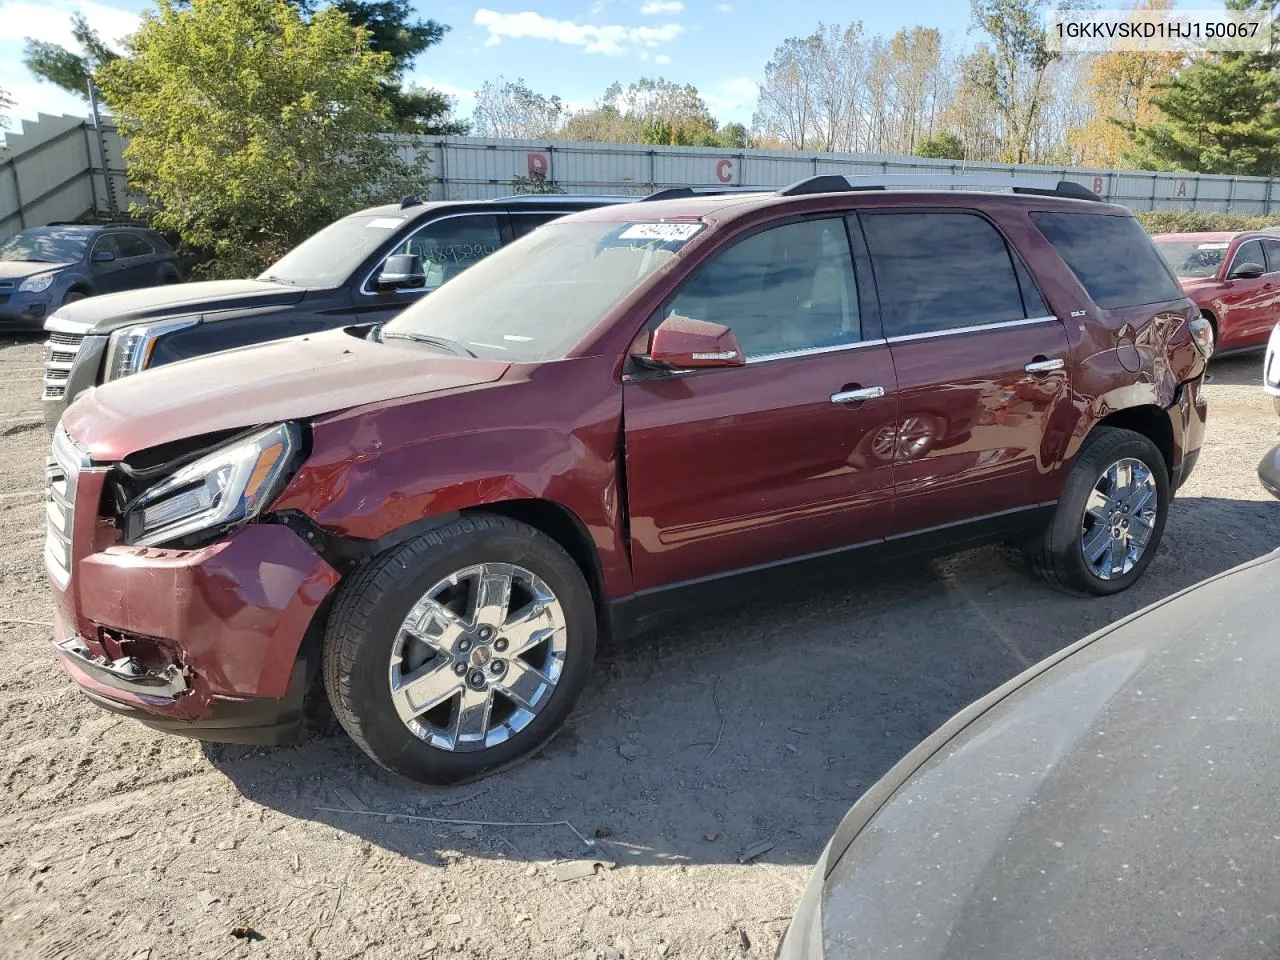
x=757 y=724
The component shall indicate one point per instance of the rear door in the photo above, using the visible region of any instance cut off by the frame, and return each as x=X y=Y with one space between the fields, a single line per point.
x=981 y=365
x=1246 y=299
x=1271 y=308
x=740 y=466
x=139 y=263
x=447 y=246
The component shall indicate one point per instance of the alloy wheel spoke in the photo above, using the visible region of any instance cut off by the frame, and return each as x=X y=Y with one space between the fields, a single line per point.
x=1098 y=505
x=471 y=719
x=492 y=594
x=524 y=685
x=1137 y=498
x=1140 y=531
x=1096 y=543
x=1118 y=554
x=434 y=624
x=429 y=687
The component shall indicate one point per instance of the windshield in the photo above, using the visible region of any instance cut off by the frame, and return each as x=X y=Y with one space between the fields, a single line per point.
x=45 y=245
x=1194 y=259
x=327 y=258
x=535 y=299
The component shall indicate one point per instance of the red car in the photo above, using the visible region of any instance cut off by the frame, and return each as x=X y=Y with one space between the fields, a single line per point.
x=627 y=414
x=1234 y=278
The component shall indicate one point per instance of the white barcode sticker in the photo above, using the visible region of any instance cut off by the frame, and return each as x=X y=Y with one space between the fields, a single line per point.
x=385 y=223
x=660 y=231
x=1213 y=246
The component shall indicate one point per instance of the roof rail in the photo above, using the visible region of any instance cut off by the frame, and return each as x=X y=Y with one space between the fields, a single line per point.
x=673 y=193
x=834 y=183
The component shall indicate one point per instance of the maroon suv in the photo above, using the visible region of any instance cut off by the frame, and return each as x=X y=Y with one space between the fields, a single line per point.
x=618 y=417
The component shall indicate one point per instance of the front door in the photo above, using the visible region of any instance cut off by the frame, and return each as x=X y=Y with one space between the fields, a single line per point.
x=1247 y=299
x=109 y=276
x=981 y=367
x=740 y=466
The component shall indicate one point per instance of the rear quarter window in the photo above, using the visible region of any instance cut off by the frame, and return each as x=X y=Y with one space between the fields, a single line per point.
x=1112 y=257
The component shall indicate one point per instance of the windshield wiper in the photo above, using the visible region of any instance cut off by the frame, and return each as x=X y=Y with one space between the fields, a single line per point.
x=272 y=278
x=451 y=345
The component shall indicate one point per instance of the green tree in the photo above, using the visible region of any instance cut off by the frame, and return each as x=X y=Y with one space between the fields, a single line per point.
x=250 y=127
x=64 y=68
x=734 y=135
x=942 y=146
x=1219 y=114
x=391 y=26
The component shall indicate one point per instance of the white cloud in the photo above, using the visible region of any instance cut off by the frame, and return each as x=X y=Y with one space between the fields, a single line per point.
x=611 y=40
x=654 y=7
x=51 y=20
x=723 y=8
x=733 y=99
x=662 y=58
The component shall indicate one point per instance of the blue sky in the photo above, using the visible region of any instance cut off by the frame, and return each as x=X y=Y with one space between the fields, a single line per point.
x=571 y=48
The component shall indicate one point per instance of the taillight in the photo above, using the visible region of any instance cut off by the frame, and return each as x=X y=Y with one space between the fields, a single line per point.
x=1202 y=333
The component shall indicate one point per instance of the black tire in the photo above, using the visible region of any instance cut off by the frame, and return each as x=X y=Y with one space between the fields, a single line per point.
x=368 y=612
x=1057 y=555
x=71 y=296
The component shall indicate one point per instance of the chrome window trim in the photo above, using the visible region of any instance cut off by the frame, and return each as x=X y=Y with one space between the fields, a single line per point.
x=975 y=328
x=1235 y=257
x=364 y=286
x=810 y=351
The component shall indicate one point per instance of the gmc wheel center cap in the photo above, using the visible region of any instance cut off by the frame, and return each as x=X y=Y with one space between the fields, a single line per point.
x=480 y=656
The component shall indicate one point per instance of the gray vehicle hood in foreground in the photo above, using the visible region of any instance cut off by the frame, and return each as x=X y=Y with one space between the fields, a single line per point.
x=1123 y=803
x=111 y=311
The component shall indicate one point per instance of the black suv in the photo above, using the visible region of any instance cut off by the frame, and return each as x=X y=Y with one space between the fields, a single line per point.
x=365 y=267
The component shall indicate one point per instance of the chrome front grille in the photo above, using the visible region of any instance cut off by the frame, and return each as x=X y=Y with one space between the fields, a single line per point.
x=60 y=356
x=62 y=472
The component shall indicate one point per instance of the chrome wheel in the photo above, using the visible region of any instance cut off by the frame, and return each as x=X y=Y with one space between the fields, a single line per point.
x=477 y=657
x=1119 y=518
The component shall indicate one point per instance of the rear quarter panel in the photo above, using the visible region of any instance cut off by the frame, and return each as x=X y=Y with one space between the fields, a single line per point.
x=1121 y=358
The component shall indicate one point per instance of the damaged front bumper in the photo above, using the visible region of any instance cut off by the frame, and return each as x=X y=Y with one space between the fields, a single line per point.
x=213 y=643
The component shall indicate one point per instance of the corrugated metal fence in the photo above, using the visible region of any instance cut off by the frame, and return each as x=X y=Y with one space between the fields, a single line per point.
x=59 y=168
x=55 y=170
x=473 y=168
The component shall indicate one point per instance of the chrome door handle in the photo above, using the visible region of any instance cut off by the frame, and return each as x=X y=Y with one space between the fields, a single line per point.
x=1045 y=366
x=856 y=396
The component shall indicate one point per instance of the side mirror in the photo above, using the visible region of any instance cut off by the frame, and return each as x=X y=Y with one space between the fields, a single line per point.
x=1246 y=271
x=684 y=344
x=103 y=256
x=401 y=272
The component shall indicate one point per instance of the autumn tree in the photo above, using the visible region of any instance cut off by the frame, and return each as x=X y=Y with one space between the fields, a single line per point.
x=251 y=127
x=1013 y=72
x=652 y=110
x=944 y=146
x=506 y=108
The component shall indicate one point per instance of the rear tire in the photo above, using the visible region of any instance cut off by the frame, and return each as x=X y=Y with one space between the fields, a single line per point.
x=1091 y=546
x=419 y=624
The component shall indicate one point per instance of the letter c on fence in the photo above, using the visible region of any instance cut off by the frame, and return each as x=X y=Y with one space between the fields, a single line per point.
x=538 y=164
x=724 y=171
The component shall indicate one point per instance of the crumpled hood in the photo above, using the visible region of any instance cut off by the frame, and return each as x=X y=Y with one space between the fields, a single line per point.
x=284 y=380
x=16 y=269
x=1119 y=804
x=114 y=310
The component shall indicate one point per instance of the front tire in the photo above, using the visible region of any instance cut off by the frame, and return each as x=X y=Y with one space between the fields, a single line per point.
x=1110 y=517
x=461 y=651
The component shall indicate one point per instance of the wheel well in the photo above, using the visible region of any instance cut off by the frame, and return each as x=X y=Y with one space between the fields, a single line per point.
x=1213 y=321
x=1150 y=421
x=564 y=528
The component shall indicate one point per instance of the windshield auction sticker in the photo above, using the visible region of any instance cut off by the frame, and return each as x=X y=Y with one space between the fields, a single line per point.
x=677 y=232
x=1156 y=31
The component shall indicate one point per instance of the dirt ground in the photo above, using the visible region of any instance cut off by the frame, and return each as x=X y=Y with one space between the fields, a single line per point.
x=756 y=725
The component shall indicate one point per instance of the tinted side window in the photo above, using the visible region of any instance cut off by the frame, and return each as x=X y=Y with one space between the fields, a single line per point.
x=1272 y=250
x=522 y=223
x=1112 y=257
x=449 y=246
x=940 y=271
x=785 y=288
x=1248 y=252
x=105 y=244
x=132 y=245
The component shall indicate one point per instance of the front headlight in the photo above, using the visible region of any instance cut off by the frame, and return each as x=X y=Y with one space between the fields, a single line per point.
x=37 y=284
x=130 y=348
x=229 y=486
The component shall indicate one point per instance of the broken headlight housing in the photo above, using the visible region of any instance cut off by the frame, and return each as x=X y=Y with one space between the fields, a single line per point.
x=221 y=489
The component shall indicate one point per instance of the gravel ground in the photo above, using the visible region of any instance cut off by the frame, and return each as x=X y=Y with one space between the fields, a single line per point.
x=693 y=744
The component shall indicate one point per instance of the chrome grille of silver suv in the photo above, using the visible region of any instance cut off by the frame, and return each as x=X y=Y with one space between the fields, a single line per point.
x=60 y=355
x=62 y=471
